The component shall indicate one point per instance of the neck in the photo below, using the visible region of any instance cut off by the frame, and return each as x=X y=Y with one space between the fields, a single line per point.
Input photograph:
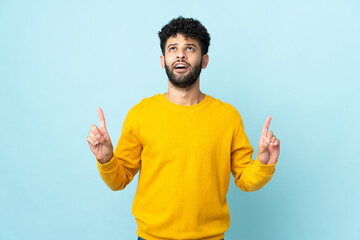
x=188 y=96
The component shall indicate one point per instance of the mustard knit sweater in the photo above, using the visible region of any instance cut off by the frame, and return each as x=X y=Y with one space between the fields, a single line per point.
x=185 y=155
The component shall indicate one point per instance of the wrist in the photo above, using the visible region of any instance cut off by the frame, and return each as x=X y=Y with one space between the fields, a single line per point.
x=259 y=159
x=105 y=159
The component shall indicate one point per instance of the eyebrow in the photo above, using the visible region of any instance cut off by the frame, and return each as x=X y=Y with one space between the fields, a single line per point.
x=187 y=44
x=190 y=44
x=171 y=45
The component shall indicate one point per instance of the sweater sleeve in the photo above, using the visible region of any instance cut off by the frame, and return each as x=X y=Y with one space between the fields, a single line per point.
x=125 y=162
x=250 y=175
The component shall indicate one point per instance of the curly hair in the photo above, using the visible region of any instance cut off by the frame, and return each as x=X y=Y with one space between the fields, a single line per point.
x=190 y=28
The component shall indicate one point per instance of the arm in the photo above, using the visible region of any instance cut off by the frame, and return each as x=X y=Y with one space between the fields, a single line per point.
x=250 y=175
x=125 y=161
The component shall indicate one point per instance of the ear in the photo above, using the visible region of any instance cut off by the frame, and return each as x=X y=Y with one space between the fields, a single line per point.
x=162 y=61
x=205 y=61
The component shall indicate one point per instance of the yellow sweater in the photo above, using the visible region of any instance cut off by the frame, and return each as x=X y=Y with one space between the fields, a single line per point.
x=185 y=155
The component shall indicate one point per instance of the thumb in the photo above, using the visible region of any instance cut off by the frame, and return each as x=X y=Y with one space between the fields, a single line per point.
x=263 y=146
x=104 y=139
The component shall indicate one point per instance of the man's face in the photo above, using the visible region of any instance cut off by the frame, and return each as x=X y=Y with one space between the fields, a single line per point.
x=183 y=61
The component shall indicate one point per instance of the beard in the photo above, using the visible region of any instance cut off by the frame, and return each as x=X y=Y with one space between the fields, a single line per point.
x=183 y=80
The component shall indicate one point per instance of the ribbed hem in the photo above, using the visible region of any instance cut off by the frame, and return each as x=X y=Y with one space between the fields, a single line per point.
x=264 y=169
x=144 y=235
x=183 y=108
x=107 y=167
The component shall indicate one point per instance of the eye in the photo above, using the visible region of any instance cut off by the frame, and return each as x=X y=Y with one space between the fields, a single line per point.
x=172 y=49
x=190 y=48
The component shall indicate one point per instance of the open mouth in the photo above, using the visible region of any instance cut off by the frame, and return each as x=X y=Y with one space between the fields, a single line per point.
x=180 y=67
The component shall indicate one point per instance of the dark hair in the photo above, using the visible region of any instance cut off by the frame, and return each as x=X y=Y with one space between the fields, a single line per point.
x=190 y=28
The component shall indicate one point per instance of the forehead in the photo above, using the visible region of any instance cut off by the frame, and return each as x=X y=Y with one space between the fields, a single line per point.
x=180 y=38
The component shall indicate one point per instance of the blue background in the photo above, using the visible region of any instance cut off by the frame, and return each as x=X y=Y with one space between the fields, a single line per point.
x=297 y=61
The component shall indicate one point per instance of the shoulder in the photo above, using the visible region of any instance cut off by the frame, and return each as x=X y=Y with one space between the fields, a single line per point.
x=227 y=109
x=144 y=105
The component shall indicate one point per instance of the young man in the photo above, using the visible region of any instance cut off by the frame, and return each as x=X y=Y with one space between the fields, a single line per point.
x=186 y=144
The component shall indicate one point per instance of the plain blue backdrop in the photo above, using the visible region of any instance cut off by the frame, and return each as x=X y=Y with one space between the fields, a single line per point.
x=297 y=61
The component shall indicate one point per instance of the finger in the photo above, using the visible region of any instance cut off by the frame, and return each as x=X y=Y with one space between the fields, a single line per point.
x=277 y=142
x=93 y=137
x=90 y=141
x=95 y=129
x=266 y=127
x=269 y=136
x=273 y=139
x=102 y=121
x=96 y=132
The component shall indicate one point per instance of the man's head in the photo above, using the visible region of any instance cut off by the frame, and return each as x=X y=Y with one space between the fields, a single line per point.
x=184 y=43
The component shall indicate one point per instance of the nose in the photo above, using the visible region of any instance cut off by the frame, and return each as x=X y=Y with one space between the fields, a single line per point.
x=181 y=54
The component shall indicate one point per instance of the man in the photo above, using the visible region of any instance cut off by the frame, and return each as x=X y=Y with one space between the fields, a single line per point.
x=185 y=144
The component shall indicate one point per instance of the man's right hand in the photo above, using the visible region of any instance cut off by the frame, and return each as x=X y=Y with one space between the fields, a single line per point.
x=99 y=140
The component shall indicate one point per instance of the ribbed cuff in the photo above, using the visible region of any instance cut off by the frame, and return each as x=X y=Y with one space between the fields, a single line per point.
x=107 y=167
x=264 y=169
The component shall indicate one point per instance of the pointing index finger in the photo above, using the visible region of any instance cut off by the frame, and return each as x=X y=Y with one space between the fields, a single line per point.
x=266 y=127
x=102 y=119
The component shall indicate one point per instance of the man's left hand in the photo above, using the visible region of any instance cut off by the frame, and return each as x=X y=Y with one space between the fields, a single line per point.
x=269 y=145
